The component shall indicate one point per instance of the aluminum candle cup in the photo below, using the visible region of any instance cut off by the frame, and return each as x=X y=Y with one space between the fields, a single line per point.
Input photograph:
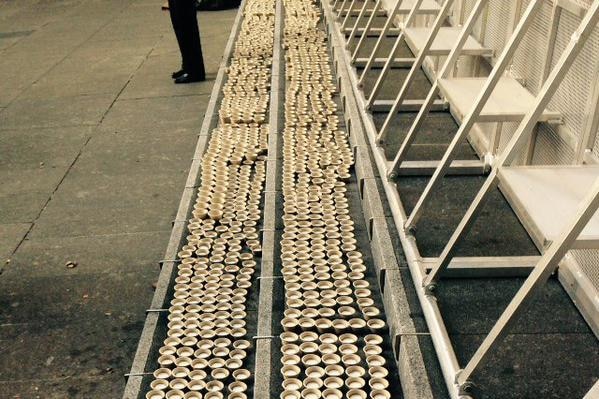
x=326 y=349
x=237 y=386
x=315 y=371
x=180 y=372
x=197 y=375
x=378 y=383
x=380 y=394
x=292 y=384
x=220 y=373
x=373 y=339
x=311 y=360
x=159 y=385
x=196 y=385
x=162 y=373
x=355 y=383
x=289 y=394
x=375 y=325
x=356 y=394
x=375 y=360
x=175 y=394
x=350 y=360
x=241 y=374
x=313 y=383
x=348 y=349
x=357 y=324
x=332 y=393
x=355 y=371
x=377 y=372
x=290 y=360
x=290 y=349
x=372 y=350
x=311 y=394
x=289 y=371
x=155 y=394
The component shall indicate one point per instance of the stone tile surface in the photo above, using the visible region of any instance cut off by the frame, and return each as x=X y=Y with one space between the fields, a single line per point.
x=95 y=146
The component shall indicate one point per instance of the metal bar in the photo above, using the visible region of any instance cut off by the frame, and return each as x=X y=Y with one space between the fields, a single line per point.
x=367 y=28
x=354 y=29
x=533 y=283
x=447 y=67
x=373 y=32
x=443 y=348
x=383 y=75
x=460 y=262
x=408 y=105
x=379 y=62
x=519 y=138
x=349 y=13
x=593 y=392
x=407 y=83
x=480 y=102
x=457 y=168
x=368 y=12
x=377 y=46
x=142 y=353
x=581 y=290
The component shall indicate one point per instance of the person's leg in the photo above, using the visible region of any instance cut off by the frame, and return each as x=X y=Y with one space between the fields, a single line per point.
x=178 y=27
x=197 y=59
x=191 y=45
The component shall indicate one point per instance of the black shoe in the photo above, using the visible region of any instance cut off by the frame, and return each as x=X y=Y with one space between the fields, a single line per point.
x=216 y=5
x=175 y=75
x=187 y=78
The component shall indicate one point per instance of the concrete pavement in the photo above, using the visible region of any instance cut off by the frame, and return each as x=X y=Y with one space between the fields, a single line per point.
x=95 y=145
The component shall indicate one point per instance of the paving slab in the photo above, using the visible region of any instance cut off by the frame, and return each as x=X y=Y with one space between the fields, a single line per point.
x=136 y=154
x=54 y=112
x=22 y=207
x=554 y=366
x=30 y=179
x=10 y=237
x=107 y=190
x=41 y=147
x=133 y=216
x=97 y=384
x=46 y=257
x=152 y=79
x=472 y=306
x=183 y=110
x=57 y=301
x=85 y=359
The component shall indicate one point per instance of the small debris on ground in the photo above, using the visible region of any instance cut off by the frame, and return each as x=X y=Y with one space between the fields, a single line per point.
x=71 y=265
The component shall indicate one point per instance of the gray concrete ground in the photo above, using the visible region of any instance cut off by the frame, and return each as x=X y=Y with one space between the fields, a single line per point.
x=95 y=143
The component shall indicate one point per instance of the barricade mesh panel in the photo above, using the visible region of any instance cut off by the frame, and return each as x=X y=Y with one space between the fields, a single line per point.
x=530 y=57
x=571 y=98
x=573 y=95
x=496 y=30
x=589 y=263
x=551 y=148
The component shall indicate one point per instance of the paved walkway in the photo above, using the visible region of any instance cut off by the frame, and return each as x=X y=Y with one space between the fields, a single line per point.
x=95 y=145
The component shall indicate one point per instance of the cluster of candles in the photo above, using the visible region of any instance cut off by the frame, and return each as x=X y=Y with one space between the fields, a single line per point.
x=206 y=347
x=332 y=344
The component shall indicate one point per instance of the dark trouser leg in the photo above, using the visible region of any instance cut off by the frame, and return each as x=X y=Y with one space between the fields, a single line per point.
x=192 y=47
x=174 y=8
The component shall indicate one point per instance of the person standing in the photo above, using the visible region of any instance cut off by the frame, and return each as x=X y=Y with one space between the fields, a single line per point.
x=185 y=24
